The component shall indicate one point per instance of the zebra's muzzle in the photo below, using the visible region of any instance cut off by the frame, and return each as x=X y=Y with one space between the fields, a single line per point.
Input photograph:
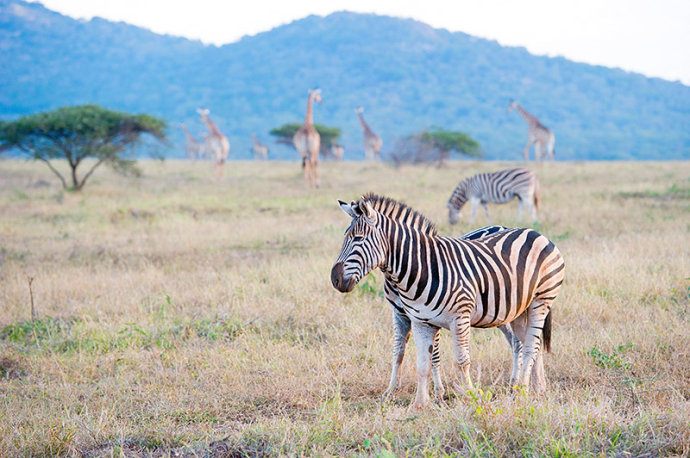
x=338 y=280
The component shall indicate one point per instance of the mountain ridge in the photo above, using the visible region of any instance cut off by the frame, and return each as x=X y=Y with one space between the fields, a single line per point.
x=408 y=76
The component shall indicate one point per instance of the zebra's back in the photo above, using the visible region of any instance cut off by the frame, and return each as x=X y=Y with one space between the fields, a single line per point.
x=497 y=276
x=502 y=186
x=515 y=267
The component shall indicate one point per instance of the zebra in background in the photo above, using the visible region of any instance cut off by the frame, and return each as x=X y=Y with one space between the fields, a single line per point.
x=496 y=187
x=433 y=282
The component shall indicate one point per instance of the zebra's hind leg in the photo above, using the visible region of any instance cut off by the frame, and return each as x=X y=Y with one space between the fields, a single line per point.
x=401 y=328
x=516 y=349
x=424 y=339
x=439 y=389
x=530 y=334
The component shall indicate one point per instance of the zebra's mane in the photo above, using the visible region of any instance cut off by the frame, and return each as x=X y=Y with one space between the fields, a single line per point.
x=401 y=212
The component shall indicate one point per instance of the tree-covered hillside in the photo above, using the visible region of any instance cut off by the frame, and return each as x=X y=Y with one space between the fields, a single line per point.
x=407 y=75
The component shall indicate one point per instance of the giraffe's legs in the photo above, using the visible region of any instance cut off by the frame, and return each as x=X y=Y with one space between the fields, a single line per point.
x=316 y=180
x=526 y=151
x=538 y=152
x=307 y=172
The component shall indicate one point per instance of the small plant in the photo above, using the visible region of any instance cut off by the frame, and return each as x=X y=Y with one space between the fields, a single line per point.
x=369 y=287
x=613 y=360
x=618 y=372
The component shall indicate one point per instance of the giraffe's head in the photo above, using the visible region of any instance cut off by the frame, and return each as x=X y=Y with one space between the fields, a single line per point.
x=512 y=105
x=363 y=247
x=315 y=94
x=203 y=112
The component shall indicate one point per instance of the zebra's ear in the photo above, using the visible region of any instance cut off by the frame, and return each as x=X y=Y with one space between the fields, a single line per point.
x=347 y=208
x=366 y=208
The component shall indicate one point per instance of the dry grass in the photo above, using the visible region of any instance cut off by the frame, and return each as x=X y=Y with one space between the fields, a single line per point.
x=179 y=316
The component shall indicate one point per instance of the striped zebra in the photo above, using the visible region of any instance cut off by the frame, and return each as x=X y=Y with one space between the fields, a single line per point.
x=433 y=282
x=498 y=188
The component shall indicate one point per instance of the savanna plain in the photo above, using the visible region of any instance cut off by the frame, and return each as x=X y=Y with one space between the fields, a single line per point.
x=175 y=315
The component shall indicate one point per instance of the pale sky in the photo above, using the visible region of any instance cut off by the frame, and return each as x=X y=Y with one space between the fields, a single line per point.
x=644 y=36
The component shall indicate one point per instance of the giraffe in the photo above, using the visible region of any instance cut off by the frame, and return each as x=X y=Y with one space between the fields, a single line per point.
x=259 y=149
x=217 y=144
x=372 y=142
x=194 y=148
x=307 y=142
x=538 y=134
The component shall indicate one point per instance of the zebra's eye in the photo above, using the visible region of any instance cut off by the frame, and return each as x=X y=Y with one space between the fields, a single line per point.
x=357 y=238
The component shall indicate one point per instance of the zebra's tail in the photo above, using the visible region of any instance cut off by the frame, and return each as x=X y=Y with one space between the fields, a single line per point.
x=537 y=195
x=547 y=332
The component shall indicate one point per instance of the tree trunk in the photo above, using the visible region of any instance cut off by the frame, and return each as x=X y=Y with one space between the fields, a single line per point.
x=75 y=181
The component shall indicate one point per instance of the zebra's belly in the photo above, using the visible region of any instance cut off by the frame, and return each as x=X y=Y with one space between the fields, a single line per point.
x=441 y=316
x=495 y=314
x=444 y=315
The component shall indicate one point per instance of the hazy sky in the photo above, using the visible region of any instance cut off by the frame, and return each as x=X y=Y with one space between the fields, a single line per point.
x=645 y=36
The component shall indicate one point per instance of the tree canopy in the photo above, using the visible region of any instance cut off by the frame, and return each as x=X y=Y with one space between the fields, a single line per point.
x=79 y=132
x=435 y=146
x=329 y=135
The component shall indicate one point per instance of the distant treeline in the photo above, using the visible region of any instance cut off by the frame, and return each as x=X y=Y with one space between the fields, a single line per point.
x=408 y=76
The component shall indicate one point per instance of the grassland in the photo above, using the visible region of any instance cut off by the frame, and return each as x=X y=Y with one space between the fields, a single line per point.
x=175 y=315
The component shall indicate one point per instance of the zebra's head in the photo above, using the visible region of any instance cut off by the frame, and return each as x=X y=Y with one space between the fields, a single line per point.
x=454 y=213
x=363 y=246
x=456 y=202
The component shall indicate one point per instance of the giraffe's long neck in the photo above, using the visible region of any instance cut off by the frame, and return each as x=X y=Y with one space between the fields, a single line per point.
x=365 y=126
x=309 y=118
x=531 y=120
x=190 y=137
x=212 y=127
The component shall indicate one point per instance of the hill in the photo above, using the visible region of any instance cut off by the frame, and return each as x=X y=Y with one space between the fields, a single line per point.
x=407 y=75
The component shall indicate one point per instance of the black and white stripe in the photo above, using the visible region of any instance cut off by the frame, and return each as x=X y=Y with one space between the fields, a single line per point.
x=511 y=277
x=496 y=187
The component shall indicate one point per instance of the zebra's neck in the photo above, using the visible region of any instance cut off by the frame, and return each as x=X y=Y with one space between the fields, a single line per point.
x=459 y=197
x=406 y=255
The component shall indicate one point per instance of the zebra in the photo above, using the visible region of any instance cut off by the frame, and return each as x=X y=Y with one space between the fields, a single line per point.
x=433 y=282
x=496 y=187
x=512 y=339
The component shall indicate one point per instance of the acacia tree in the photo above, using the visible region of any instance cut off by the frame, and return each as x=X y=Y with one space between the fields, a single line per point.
x=329 y=135
x=77 y=133
x=435 y=146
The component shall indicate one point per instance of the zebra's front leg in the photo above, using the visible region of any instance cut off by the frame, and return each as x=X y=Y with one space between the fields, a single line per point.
x=424 y=340
x=439 y=389
x=460 y=331
x=401 y=328
x=475 y=203
x=486 y=212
